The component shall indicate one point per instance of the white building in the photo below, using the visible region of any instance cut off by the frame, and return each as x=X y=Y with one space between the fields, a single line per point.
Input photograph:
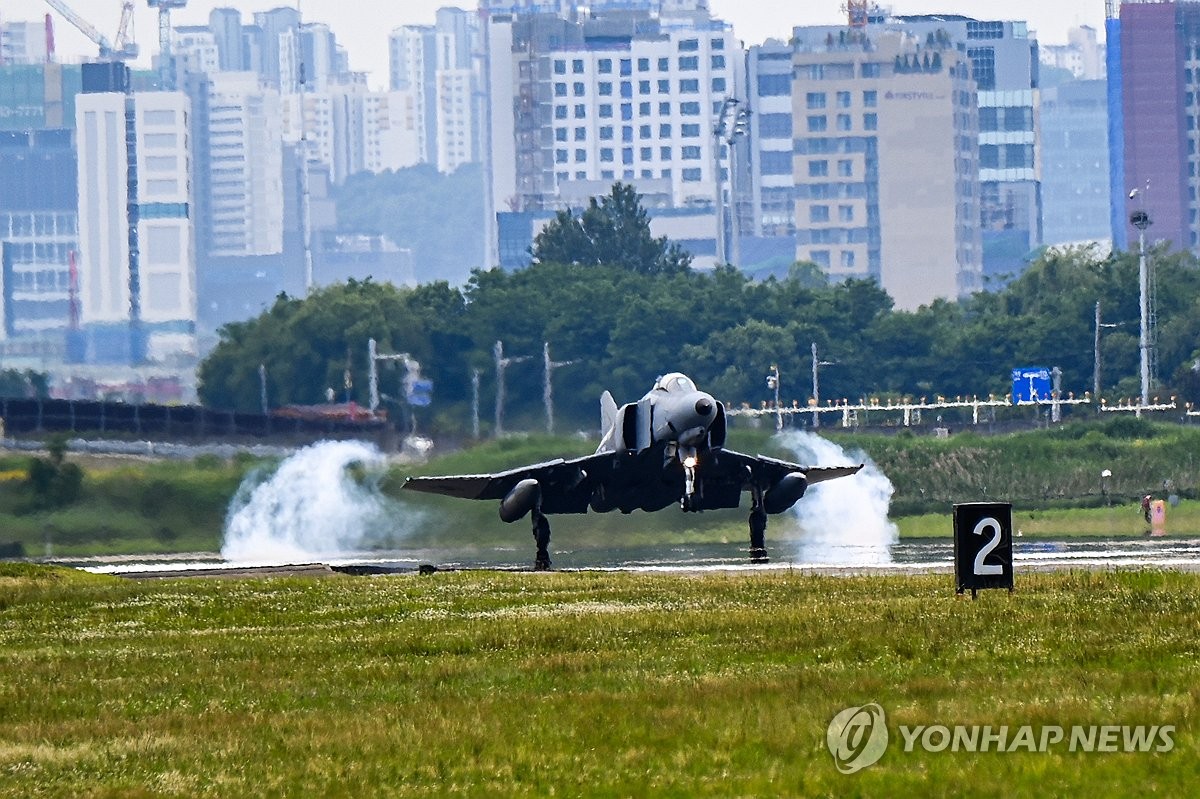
x=194 y=48
x=165 y=230
x=455 y=119
x=350 y=129
x=23 y=42
x=615 y=101
x=245 y=165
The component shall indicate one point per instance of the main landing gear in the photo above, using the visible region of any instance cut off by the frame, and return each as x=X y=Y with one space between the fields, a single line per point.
x=758 y=528
x=541 y=536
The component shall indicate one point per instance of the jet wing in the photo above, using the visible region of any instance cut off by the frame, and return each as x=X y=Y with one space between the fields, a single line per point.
x=767 y=471
x=566 y=484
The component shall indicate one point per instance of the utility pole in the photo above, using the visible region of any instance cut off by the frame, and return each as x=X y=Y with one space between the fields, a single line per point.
x=817 y=363
x=1141 y=220
x=475 y=404
x=502 y=363
x=547 y=388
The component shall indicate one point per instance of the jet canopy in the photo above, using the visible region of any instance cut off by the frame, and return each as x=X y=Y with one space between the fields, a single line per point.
x=675 y=382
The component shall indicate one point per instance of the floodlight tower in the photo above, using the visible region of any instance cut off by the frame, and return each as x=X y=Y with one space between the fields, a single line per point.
x=166 y=64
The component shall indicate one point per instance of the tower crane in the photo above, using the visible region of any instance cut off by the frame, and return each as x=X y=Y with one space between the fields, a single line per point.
x=166 y=65
x=121 y=48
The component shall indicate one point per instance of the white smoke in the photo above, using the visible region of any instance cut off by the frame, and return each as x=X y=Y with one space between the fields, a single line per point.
x=842 y=522
x=322 y=501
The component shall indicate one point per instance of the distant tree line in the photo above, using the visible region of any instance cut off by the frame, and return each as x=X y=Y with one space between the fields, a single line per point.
x=641 y=312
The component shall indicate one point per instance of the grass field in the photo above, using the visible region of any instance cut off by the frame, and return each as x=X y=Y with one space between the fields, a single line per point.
x=581 y=684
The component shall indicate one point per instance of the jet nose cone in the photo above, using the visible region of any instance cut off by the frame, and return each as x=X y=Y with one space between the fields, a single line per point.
x=704 y=406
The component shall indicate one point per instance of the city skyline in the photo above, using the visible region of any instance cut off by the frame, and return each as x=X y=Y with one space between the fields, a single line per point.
x=365 y=36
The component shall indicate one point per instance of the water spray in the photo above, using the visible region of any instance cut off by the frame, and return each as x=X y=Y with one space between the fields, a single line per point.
x=842 y=522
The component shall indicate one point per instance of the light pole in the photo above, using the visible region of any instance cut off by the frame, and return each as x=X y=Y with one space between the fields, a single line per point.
x=773 y=383
x=817 y=363
x=1141 y=220
x=719 y=205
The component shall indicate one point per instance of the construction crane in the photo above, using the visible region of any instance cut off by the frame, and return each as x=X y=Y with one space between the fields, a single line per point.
x=121 y=48
x=166 y=65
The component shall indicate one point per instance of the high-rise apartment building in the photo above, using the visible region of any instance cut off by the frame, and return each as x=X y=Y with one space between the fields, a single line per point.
x=1074 y=122
x=1154 y=51
x=612 y=97
x=23 y=42
x=887 y=181
x=137 y=261
x=437 y=65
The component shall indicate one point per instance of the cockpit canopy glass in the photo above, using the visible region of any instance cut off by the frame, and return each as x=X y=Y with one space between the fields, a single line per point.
x=675 y=382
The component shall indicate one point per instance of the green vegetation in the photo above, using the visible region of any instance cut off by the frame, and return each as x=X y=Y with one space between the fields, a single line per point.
x=581 y=684
x=1051 y=476
x=618 y=303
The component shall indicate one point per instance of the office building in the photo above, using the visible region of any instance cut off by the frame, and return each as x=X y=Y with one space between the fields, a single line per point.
x=1075 y=180
x=886 y=172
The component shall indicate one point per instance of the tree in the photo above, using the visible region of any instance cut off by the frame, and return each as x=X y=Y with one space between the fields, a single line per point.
x=614 y=231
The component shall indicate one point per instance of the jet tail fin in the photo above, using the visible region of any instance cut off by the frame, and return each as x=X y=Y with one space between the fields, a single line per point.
x=608 y=413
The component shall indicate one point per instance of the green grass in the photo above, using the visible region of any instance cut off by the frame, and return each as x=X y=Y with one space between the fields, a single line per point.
x=485 y=684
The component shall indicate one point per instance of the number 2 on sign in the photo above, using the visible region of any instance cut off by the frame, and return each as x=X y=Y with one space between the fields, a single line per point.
x=987 y=568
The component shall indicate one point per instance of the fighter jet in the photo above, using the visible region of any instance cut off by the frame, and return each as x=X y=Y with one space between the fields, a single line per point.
x=668 y=447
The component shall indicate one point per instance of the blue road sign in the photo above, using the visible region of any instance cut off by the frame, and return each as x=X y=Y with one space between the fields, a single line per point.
x=1030 y=384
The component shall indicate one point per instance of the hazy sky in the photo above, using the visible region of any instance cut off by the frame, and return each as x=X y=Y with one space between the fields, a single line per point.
x=362 y=27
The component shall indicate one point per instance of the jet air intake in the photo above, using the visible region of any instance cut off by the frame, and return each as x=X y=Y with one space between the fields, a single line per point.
x=785 y=493
x=523 y=498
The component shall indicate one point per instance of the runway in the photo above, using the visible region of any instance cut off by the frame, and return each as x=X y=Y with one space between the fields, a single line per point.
x=909 y=556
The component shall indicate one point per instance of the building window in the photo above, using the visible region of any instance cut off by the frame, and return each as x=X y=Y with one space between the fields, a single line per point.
x=815 y=99
x=689 y=131
x=560 y=112
x=577 y=89
x=691 y=175
x=689 y=86
x=843 y=99
x=560 y=156
x=871 y=98
x=690 y=153
x=816 y=124
x=845 y=213
x=560 y=67
x=604 y=88
x=843 y=122
x=847 y=259
x=718 y=85
x=689 y=45
x=718 y=62
x=820 y=258
x=605 y=111
x=818 y=213
x=626 y=67
x=664 y=153
x=643 y=87
x=644 y=132
x=604 y=66
x=580 y=134
x=664 y=131
x=627 y=133
x=775 y=126
x=560 y=134
x=845 y=168
x=689 y=63
x=580 y=156
x=647 y=154
x=664 y=65
x=717 y=44
x=664 y=109
x=775 y=162
x=606 y=133
x=818 y=169
x=560 y=90
x=689 y=109
x=871 y=121
x=626 y=111
x=643 y=65
x=577 y=66
x=606 y=154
